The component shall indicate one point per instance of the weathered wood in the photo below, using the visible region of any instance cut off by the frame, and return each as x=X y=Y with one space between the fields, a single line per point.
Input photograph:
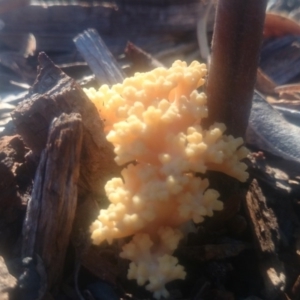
x=51 y=210
x=265 y=231
x=266 y=172
x=262 y=220
x=98 y=57
x=52 y=94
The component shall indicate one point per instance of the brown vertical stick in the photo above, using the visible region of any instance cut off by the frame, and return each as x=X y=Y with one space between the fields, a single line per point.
x=235 y=53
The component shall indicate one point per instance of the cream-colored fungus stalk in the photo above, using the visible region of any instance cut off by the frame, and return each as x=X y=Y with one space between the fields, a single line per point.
x=154 y=122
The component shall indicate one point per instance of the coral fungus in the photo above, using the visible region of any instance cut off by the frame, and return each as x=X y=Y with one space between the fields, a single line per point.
x=153 y=121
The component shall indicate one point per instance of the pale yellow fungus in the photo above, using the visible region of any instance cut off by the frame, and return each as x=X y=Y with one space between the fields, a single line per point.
x=154 y=120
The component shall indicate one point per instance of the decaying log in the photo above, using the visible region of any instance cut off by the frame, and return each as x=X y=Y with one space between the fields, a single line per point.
x=51 y=210
x=266 y=234
x=52 y=94
x=98 y=57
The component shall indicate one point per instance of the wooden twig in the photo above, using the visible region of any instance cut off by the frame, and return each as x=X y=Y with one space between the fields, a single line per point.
x=235 y=52
x=51 y=210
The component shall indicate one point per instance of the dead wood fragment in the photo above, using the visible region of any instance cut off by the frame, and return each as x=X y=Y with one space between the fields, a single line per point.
x=235 y=52
x=51 y=210
x=52 y=94
x=141 y=60
x=262 y=220
x=274 y=177
x=98 y=57
x=265 y=230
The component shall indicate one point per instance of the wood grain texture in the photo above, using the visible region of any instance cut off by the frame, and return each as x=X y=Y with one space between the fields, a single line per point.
x=98 y=57
x=51 y=210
